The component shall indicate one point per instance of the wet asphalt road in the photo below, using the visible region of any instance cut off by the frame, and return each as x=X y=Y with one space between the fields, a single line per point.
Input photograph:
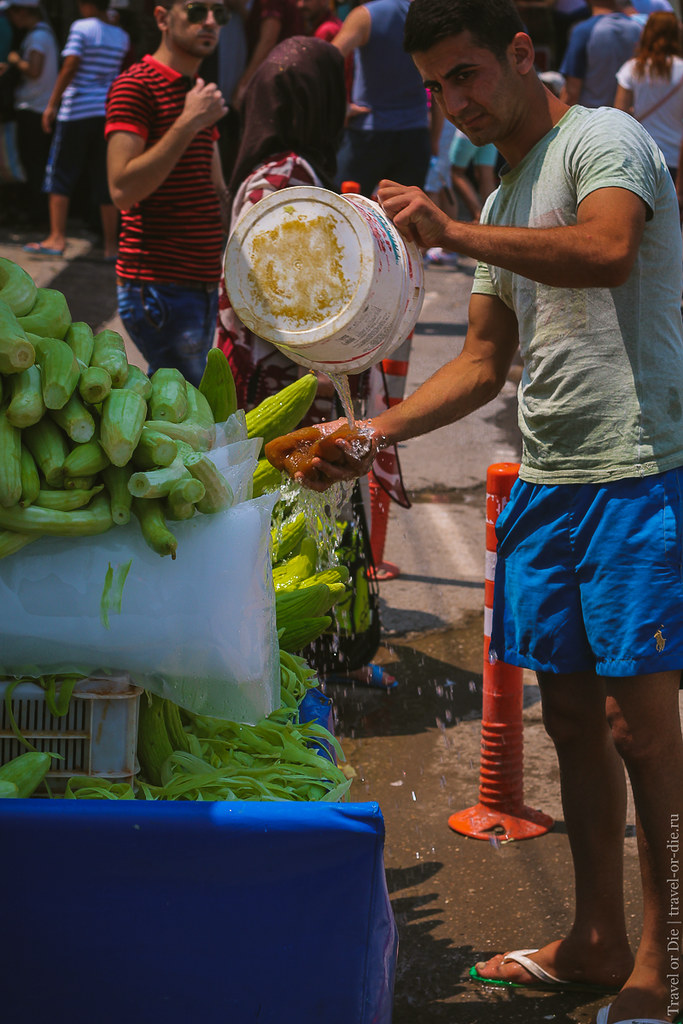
x=416 y=749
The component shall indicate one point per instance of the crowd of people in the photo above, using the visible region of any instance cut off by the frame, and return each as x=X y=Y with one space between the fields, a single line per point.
x=53 y=95
x=562 y=183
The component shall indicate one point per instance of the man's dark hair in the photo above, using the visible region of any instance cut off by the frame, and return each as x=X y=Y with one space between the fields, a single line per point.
x=493 y=24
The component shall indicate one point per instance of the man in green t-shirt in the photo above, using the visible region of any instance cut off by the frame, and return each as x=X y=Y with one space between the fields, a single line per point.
x=579 y=254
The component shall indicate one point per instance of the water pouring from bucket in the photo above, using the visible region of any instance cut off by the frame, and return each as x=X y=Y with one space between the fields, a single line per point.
x=326 y=278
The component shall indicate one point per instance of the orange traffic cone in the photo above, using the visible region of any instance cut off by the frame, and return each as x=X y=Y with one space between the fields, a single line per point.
x=501 y=811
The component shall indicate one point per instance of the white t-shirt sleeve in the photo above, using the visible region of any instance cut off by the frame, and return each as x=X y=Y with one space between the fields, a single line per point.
x=75 y=43
x=625 y=75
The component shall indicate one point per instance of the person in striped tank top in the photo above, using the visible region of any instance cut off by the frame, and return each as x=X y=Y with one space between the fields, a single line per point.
x=165 y=176
x=92 y=55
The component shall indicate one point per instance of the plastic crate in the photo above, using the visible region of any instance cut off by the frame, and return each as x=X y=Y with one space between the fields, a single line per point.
x=97 y=736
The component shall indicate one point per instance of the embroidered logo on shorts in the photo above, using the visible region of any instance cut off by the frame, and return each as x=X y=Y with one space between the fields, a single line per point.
x=660 y=640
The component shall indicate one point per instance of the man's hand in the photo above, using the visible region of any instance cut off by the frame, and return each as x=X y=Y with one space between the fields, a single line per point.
x=48 y=118
x=355 y=110
x=414 y=214
x=340 y=458
x=204 y=105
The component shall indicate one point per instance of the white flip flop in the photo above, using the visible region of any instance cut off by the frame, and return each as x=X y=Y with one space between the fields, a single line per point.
x=603 y=1014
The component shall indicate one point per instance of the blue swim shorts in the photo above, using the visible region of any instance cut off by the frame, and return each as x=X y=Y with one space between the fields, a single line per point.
x=589 y=577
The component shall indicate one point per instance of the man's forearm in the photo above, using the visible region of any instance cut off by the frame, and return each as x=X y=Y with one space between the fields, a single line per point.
x=457 y=389
x=574 y=256
x=597 y=252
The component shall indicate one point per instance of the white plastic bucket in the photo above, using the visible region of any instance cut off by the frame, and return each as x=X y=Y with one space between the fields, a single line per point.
x=326 y=278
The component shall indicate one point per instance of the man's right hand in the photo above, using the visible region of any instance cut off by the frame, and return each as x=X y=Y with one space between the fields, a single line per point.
x=204 y=105
x=414 y=214
x=341 y=458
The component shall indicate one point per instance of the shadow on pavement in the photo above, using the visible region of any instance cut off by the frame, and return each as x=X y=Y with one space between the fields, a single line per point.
x=90 y=289
x=430 y=693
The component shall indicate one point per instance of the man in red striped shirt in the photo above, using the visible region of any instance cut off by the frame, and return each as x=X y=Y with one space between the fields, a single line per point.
x=165 y=176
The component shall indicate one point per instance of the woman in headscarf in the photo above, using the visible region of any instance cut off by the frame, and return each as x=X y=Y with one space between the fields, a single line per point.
x=292 y=121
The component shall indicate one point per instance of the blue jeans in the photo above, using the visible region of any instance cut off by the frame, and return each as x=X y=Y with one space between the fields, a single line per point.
x=171 y=324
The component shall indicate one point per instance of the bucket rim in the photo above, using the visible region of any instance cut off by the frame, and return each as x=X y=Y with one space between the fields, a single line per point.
x=313 y=335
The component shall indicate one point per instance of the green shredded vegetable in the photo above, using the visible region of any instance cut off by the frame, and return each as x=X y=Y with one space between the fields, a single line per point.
x=112 y=591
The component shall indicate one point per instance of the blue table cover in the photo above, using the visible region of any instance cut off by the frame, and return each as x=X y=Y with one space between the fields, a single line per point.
x=195 y=913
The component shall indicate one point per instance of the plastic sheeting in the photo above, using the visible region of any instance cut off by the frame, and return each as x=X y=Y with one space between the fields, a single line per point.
x=199 y=630
x=274 y=913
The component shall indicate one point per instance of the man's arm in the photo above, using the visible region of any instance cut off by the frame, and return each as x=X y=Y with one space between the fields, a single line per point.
x=597 y=252
x=269 y=33
x=354 y=32
x=64 y=78
x=464 y=384
x=31 y=66
x=135 y=172
x=218 y=182
x=623 y=99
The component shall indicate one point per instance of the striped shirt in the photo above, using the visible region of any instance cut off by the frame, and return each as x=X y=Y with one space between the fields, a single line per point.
x=174 y=234
x=100 y=48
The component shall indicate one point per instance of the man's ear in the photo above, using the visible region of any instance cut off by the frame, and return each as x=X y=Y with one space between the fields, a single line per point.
x=521 y=51
x=161 y=16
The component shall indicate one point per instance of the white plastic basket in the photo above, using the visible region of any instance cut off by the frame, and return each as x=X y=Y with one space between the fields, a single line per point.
x=97 y=736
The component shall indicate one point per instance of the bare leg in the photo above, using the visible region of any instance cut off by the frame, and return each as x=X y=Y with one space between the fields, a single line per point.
x=58 y=208
x=644 y=716
x=110 y=229
x=593 y=787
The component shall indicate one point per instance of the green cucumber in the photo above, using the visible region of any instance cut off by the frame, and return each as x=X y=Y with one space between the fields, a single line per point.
x=137 y=380
x=49 y=447
x=116 y=481
x=109 y=352
x=123 y=417
x=26 y=772
x=150 y=515
x=94 y=519
x=154 y=449
x=218 y=386
x=10 y=462
x=74 y=419
x=17 y=287
x=94 y=384
x=49 y=316
x=79 y=338
x=169 y=395
x=16 y=351
x=30 y=480
x=26 y=406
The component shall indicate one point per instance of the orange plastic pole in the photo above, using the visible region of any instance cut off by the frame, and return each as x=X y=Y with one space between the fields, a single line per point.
x=501 y=811
x=379 y=519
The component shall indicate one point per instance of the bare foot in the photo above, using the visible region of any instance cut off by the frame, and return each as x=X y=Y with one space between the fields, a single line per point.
x=643 y=996
x=567 y=961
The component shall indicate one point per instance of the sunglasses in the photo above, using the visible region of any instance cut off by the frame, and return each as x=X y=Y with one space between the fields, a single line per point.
x=198 y=13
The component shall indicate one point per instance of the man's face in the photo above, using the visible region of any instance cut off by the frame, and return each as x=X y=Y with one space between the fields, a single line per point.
x=314 y=11
x=480 y=95
x=197 y=38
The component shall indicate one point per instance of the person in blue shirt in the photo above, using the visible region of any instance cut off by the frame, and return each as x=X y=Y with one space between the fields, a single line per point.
x=596 y=50
x=93 y=56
